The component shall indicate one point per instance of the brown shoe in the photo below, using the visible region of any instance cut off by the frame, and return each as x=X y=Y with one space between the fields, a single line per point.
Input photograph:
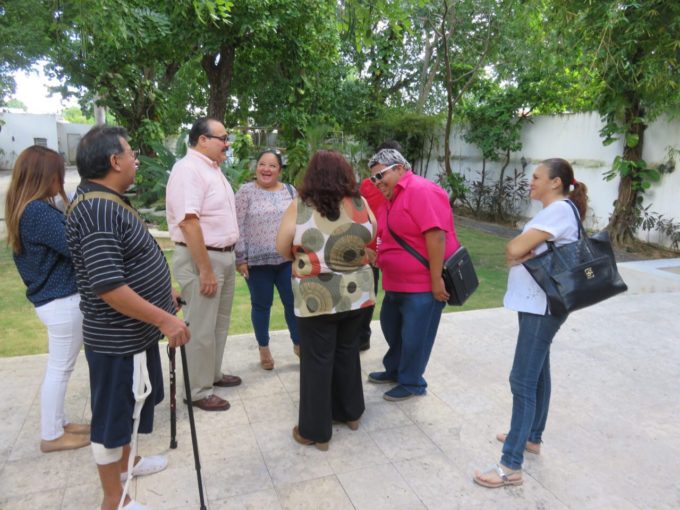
x=66 y=442
x=211 y=403
x=266 y=360
x=227 y=381
x=77 y=428
x=353 y=424
x=296 y=350
x=308 y=442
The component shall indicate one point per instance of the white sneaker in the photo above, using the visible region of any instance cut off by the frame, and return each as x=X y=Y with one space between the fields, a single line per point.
x=147 y=466
x=134 y=505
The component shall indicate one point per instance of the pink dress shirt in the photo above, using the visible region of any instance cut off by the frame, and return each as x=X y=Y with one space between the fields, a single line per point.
x=417 y=206
x=197 y=186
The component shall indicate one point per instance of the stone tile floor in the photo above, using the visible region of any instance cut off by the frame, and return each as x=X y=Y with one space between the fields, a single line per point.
x=611 y=442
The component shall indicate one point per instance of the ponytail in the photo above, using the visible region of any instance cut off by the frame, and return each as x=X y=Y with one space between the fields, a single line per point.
x=579 y=195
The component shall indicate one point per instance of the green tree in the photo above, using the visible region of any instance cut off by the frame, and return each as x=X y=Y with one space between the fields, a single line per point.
x=24 y=35
x=633 y=49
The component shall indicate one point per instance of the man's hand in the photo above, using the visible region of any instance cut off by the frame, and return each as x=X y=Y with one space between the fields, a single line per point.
x=208 y=283
x=177 y=299
x=175 y=330
x=439 y=290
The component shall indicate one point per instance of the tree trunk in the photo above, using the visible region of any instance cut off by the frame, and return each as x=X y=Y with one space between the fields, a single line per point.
x=219 y=68
x=449 y=92
x=622 y=221
x=499 y=198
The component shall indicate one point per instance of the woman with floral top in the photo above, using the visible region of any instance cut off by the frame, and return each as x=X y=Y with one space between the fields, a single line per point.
x=259 y=207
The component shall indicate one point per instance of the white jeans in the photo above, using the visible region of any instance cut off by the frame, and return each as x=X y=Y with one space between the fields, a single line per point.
x=64 y=323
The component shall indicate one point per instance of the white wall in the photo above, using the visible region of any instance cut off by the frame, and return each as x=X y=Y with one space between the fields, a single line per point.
x=20 y=130
x=69 y=134
x=575 y=137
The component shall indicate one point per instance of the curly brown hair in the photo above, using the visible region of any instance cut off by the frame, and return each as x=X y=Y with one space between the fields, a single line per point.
x=329 y=178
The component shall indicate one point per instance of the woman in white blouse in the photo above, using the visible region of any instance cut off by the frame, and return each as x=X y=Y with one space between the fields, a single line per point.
x=530 y=376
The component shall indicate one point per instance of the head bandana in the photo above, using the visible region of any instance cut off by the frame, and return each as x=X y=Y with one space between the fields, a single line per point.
x=388 y=157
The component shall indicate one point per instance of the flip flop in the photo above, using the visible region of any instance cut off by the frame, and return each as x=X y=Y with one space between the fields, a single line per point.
x=530 y=447
x=504 y=479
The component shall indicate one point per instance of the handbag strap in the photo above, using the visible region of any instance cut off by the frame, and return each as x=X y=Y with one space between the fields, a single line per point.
x=582 y=234
x=403 y=243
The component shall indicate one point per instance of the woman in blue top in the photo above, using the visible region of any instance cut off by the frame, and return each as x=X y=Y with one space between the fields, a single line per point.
x=36 y=235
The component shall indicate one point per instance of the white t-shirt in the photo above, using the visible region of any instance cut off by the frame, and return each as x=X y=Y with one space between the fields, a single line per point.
x=524 y=294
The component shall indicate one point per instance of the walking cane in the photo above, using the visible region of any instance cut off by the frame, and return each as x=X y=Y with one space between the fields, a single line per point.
x=173 y=399
x=192 y=425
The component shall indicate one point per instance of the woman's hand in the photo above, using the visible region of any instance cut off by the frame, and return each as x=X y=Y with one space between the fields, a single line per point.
x=439 y=290
x=243 y=269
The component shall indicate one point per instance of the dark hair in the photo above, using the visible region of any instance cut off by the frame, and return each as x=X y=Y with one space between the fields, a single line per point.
x=96 y=148
x=201 y=127
x=389 y=144
x=560 y=168
x=34 y=172
x=329 y=178
x=275 y=152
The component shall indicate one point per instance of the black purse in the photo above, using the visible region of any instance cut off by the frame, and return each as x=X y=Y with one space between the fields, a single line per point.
x=577 y=274
x=460 y=278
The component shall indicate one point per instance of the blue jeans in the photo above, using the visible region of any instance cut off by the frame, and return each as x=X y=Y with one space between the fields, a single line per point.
x=530 y=384
x=409 y=321
x=261 y=281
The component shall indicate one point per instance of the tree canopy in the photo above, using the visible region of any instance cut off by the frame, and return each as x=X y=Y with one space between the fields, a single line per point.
x=374 y=69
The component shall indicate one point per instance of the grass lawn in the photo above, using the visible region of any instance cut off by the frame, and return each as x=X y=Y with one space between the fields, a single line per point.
x=23 y=333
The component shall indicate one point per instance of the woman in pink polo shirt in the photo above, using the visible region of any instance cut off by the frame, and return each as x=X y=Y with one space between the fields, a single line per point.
x=418 y=213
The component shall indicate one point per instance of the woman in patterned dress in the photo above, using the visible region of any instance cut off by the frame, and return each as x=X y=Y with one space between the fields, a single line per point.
x=259 y=207
x=325 y=232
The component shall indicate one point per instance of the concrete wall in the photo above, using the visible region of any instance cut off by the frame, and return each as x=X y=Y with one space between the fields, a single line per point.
x=69 y=135
x=576 y=138
x=20 y=131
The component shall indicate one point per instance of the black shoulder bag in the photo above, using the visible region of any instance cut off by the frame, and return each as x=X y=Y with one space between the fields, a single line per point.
x=460 y=278
x=577 y=274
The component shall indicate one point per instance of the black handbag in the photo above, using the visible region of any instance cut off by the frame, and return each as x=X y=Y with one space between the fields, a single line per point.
x=460 y=278
x=577 y=274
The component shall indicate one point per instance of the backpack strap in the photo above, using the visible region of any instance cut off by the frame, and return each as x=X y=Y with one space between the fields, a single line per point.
x=104 y=195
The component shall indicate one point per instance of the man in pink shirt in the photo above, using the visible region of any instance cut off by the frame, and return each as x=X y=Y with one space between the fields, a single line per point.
x=417 y=213
x=201 y=215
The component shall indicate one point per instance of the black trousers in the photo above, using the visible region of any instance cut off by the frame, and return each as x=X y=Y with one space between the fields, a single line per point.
x=330 y=373
x=367 y=317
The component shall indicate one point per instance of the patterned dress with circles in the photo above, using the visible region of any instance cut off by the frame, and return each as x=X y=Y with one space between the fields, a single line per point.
x=330 y=268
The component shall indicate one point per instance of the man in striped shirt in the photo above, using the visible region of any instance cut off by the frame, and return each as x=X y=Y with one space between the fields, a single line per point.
x=128 y=306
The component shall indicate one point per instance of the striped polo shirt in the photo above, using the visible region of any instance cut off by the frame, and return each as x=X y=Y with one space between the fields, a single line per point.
x=110 y=247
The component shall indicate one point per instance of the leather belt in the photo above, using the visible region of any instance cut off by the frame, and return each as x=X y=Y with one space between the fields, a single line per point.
x=211 y=248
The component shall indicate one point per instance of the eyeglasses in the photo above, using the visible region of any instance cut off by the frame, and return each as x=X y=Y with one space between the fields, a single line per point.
x=379 y=176
x=223 y=139
x=134 y=153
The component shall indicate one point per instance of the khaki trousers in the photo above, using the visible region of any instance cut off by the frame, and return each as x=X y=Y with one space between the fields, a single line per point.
x=208 y=317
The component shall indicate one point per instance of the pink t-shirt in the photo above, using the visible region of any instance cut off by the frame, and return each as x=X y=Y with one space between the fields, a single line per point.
x=197 y=186
x=417 y=206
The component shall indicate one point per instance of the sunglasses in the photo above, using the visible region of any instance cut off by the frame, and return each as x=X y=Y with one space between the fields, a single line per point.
x=378 y=177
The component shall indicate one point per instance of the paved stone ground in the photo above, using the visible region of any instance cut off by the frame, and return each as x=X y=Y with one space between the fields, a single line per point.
x=611 y=442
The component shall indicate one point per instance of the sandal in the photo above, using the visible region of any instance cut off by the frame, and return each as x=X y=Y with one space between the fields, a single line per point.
x=266 y=360
x=512 y=477
x=534 y=448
